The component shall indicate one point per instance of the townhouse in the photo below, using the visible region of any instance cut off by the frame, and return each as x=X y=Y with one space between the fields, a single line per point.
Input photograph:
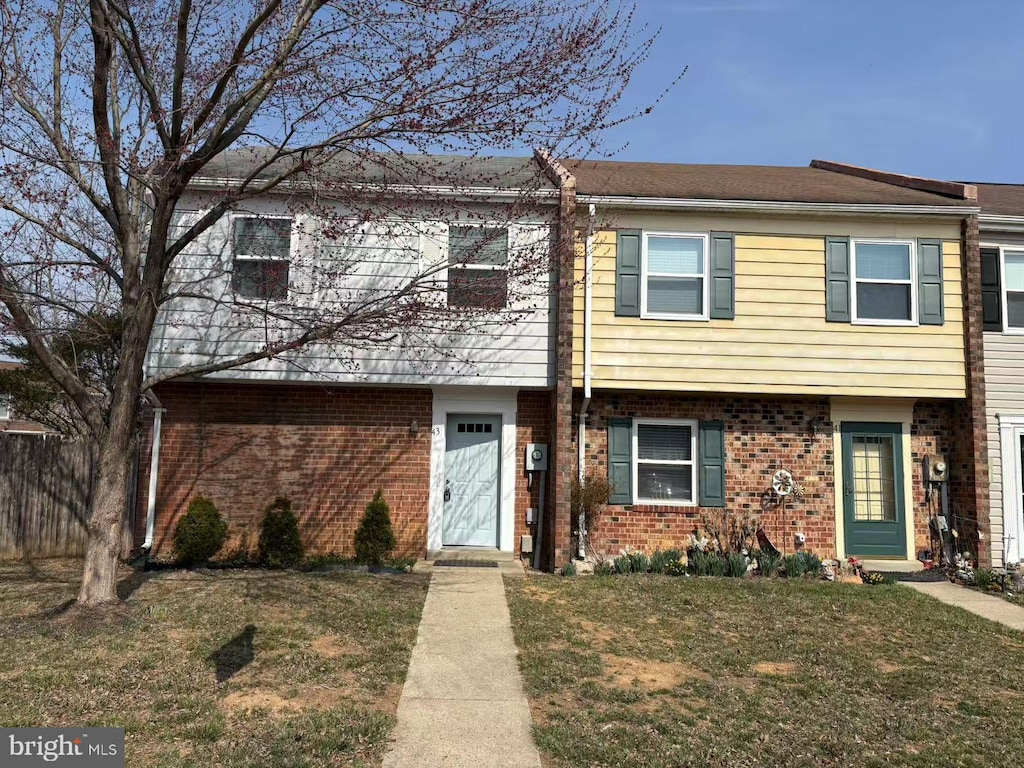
x=437 y=412
x=1001 y=287
x=731 y=321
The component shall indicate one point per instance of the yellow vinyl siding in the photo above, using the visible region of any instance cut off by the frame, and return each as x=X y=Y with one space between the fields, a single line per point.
x=779 y=342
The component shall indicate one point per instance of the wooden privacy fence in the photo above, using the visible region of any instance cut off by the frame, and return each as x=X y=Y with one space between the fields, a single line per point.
x=46 y=484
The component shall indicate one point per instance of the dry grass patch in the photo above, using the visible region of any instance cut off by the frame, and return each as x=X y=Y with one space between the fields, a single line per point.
x=665 y=672
x=226 y=668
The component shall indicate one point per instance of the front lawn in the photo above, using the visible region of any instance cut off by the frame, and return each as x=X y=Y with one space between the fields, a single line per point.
x=656 y=671
x=227 y=668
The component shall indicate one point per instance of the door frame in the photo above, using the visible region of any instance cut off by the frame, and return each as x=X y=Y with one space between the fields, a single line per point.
x=894 y=410
x=1011 y=428
x=847 y=469
x=488 y=401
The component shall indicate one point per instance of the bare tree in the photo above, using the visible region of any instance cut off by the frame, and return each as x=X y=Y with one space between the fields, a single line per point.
x=113 y=109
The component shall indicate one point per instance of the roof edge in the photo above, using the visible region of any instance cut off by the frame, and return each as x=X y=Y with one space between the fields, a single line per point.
x=953 y=189
x=554 y=170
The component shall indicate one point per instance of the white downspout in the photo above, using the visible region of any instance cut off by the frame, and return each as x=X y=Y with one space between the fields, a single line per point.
x=581 y=437
x=154 y=469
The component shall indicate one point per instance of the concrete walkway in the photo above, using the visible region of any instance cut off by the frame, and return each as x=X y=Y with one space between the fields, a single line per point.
x=463 y=702
x=991 y=607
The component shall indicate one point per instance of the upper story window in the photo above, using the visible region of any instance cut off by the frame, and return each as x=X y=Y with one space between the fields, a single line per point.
x=665 y=461
x=1013 y=289
x=884 y=282
x=674 y=276
x=262 y=251
x=478 y=267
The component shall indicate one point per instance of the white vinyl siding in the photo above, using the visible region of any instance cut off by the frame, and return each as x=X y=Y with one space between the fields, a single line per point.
x=664 y=461
x=884 y=282
x=674 y=284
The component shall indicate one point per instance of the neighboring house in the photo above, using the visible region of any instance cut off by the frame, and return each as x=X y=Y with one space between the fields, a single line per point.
x=9 y=418
x=733 y=321
x=1001 y=287
x=439 y=420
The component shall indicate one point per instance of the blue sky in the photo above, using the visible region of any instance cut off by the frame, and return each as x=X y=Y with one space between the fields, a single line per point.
x=932 y=88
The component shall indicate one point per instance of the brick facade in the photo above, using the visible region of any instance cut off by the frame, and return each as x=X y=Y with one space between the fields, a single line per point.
x=762 y=435
x=533 y=425
x=327 y=449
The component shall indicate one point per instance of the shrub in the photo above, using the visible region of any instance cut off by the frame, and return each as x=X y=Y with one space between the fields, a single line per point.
x=737 y=565
x=569 y=569
x=768 y=563
x=794 y=566
x=983 y=578
x=641 y=562
x=623 y=564
x=675 y=567
x=590 y=497
x=604 y=568
x=280 y=545
x=658 y=561
x=708 y=564
x=374 y=536
x=200 y=533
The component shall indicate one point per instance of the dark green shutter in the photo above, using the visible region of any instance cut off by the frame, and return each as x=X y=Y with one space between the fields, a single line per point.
x=627 y=274
x=712 y=464
x=929 y=282
x=991 y=290
x=837 y=279
x=620 y=460
x=723 y=276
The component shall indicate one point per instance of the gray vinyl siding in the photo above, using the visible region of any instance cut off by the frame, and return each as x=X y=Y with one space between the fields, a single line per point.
x=513 y=349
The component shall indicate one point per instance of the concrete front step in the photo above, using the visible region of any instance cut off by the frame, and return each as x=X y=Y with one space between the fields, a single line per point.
x=470 y=553
x=892 y=566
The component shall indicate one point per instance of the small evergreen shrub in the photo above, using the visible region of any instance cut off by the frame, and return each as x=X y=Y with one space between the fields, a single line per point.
x=569 y=569
x=374 y=536
x=280 y=545
x=623 y=564
x=200 y=533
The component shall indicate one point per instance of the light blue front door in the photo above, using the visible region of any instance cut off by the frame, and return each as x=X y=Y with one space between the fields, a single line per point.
x=471 y=487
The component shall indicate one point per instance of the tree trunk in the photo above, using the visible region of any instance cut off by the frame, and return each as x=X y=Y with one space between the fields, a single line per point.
x=109 y=508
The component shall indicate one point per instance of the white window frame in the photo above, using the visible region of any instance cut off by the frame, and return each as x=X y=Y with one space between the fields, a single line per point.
x=1011 y=430
x=1003 y=290
x=235 y=256
x=705 y=281
x=854 y=281
x=637 y=461
x=478 y=267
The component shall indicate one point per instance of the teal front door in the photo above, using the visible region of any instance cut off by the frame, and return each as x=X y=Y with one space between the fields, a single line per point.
x=471 y=485
x=874 y=508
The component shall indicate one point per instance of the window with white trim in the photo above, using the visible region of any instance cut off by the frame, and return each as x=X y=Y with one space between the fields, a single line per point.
x=1013 y=288
x=664 y=461
x=674 y=276
x=262 y=253
x=477 y=267
x=884 y=282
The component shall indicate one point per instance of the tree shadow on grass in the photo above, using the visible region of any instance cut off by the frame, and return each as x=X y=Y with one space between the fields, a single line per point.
x=234 y=655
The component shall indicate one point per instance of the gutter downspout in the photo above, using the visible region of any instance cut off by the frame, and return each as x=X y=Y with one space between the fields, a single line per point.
x=154 y=469
x=581 y=437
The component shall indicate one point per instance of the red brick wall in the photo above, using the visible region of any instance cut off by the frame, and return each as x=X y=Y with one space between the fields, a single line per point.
x=762 y=435
x=327 y=449
x=533 y=425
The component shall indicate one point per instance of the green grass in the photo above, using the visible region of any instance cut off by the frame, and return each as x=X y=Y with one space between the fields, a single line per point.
x=655 y=671
x=227 y=668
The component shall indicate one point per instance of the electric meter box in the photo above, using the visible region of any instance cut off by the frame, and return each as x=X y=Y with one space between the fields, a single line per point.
x=937 y=469
x=536 y=457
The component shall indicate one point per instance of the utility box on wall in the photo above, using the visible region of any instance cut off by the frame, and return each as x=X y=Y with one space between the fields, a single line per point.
x=536 y=457
x=936 y=469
